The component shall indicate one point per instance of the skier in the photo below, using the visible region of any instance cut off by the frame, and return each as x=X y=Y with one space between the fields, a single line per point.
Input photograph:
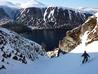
x=85 y=56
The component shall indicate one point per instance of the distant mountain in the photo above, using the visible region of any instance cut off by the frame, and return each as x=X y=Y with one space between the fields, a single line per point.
x=51 y=17
x=7 y=4
x=88 y=10
x=8 y=12
x=38 y=16
x=9 y=8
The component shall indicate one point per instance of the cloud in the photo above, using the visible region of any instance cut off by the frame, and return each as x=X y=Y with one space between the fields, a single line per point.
x=2 y=0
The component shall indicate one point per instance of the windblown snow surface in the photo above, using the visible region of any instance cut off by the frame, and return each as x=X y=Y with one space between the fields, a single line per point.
x=64 y=64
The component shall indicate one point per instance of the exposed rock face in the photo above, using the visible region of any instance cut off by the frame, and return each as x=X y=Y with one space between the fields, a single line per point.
x=31 y=17
x=91 y=26
x=57 y=17
x=45 y=18
x=72 y=38
x=51 y=17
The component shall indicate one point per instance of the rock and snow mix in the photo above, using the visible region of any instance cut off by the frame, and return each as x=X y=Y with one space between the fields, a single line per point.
x=13 y=46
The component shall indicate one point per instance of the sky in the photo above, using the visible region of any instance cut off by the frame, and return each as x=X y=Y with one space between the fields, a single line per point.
x=65 y=3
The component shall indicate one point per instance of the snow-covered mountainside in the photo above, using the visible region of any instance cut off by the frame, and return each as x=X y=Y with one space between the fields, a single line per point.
x=88 y=10
x=7 y=4
x=72 y=38
x=32 y=3
x=14 y=46
x=70 y=63
x=38 y=16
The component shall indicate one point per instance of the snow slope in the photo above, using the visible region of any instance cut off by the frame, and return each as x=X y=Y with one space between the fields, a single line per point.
x=65 y=64
x=88 y=10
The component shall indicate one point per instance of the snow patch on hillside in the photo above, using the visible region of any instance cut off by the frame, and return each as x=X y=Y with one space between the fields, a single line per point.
x=88 y=10
x=96 y=16
x=32 y=3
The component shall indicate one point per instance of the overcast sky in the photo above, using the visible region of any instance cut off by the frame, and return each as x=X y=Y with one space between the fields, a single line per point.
x=65 y=3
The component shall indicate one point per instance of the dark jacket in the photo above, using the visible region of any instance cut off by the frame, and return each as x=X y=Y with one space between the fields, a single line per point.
x=85 y=55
